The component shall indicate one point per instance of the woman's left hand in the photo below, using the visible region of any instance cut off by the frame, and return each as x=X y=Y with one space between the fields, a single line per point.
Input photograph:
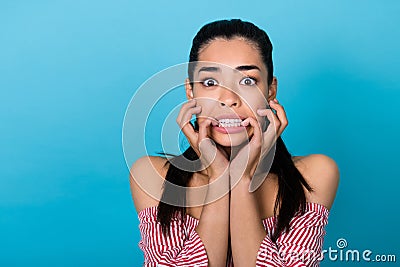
x=245 y=162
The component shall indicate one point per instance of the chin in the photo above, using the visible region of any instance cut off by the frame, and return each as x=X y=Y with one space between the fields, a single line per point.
x=230 y=140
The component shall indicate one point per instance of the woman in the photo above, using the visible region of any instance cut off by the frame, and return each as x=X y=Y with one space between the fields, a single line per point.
x=282 y=222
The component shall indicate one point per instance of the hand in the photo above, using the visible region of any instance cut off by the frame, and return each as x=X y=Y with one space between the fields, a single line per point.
x=247 y=160
x=213 y=159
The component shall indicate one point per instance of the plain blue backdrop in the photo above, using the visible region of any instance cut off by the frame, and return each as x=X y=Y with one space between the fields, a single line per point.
x=68 y=70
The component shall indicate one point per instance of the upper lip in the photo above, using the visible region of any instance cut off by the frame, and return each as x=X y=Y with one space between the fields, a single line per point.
x=229 y=116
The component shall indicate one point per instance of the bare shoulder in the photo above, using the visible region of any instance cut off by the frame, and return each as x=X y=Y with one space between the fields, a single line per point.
x=146 y=180
x=322 y=174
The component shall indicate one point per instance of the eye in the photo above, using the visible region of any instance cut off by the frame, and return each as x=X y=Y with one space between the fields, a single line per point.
x=248 y=81
x=209 y=82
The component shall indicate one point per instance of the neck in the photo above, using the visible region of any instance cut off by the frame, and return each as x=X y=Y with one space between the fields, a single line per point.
x=232 y=151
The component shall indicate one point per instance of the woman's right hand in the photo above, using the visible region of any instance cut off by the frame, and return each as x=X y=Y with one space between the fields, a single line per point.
x=213 y=159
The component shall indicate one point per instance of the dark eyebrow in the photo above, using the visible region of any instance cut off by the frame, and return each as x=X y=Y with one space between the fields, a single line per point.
x=239 y=68
x=248 y=67
x=211 y=69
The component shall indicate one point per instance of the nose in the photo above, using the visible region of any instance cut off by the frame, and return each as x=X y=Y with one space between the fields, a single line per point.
x=229 y=98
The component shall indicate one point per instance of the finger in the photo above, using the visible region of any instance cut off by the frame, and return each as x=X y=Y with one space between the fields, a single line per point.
x=270 y=135
x=185 y=107
x=256 y=129
x=187 y=116
x=204 y=128
x=185 y=124
x=186 y=113
x=190 y=133
x=281 y=114
x=271 y=117
x=207 y=147
x=264 y=113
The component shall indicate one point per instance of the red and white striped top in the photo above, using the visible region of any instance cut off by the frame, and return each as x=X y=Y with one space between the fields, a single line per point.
x=301 y=246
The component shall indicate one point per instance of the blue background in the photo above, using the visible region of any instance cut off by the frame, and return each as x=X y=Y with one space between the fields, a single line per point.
x=69 y=68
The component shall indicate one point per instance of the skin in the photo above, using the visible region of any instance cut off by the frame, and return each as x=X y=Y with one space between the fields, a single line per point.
x=241 y=215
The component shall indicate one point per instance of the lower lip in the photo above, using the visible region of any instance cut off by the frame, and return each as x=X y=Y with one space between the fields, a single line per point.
x=229 y=130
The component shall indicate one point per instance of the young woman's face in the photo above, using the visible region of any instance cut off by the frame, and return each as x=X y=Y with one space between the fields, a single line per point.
x=230 y=84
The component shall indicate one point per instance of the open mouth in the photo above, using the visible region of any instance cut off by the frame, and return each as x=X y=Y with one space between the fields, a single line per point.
x=229 y=124
x=226 y=123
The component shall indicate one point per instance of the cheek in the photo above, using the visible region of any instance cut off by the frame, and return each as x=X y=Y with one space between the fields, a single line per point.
x=207 y=103
x=254 y=102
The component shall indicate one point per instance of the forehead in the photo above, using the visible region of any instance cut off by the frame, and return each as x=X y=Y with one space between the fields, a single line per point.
x=234 y=52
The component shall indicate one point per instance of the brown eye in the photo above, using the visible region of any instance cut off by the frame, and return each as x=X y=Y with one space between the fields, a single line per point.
x=210 y=82
x=248 y=81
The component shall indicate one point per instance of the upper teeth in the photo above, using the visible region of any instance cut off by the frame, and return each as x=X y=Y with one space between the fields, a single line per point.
x=230 y=122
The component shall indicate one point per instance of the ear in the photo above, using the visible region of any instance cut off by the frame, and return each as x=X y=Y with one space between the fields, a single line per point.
x=188 y=89
x=273 y=88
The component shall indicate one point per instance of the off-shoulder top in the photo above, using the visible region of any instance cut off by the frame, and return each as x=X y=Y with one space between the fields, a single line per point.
x=300 y=246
